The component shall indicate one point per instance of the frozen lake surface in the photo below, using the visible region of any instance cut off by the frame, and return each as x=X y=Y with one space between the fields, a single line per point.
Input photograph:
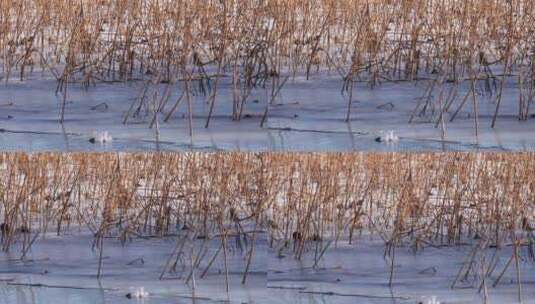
x=62 y=270
x=307 y=116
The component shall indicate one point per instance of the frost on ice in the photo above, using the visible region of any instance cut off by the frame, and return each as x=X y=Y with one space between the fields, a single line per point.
x=101 y=137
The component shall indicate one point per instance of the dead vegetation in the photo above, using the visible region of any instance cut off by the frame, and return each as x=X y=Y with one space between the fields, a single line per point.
x=466 y=51
x=302 y=204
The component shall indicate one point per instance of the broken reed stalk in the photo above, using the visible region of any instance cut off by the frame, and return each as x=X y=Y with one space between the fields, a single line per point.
x=225 y=260
x=517 y=267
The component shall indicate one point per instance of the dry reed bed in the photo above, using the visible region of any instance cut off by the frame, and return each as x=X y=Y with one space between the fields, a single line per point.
x=306 y=203
x=189 y=46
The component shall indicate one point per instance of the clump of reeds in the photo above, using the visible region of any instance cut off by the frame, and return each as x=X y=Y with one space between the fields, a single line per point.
x=304 y=203
x=190 y=47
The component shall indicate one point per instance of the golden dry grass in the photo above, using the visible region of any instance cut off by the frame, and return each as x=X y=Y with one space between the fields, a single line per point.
x=418 y=197
x=306 y=203
x=258 y=42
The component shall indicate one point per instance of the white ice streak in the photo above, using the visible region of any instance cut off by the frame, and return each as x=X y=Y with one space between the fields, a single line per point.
x=432 y=300
x=139 y=293
x=388 y=137
x=101 y=137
